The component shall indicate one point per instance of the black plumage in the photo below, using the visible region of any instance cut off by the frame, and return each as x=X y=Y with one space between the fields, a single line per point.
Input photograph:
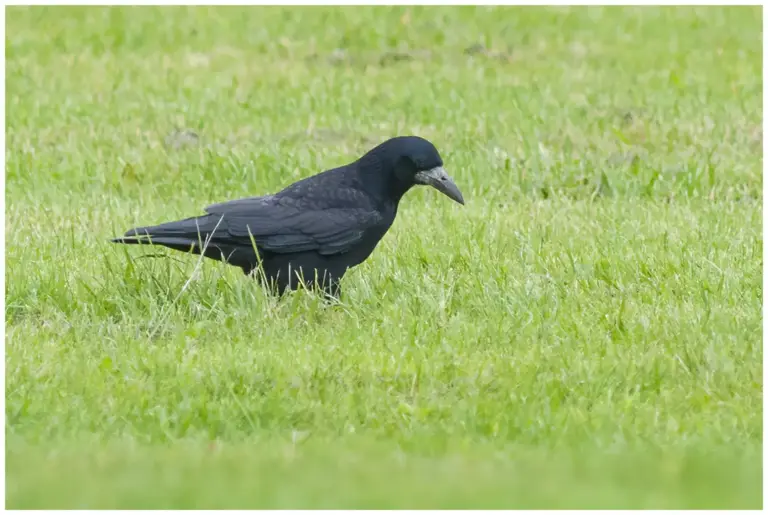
x=316 y=228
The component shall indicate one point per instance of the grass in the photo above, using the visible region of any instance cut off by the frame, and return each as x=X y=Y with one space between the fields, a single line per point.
x=585 y=332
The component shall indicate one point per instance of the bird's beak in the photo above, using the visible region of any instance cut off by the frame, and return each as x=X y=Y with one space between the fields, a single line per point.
x=438 y=179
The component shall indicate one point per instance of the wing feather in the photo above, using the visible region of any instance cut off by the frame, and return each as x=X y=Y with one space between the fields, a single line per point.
x=295 y=225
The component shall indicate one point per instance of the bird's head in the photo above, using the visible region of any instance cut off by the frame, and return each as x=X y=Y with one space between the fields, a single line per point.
x=416 y=161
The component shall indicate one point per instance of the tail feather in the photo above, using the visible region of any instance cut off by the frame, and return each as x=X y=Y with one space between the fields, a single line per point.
x=192 y=235
x=192 y=229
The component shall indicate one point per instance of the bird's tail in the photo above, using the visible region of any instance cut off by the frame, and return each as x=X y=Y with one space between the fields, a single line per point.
x=206 y=235
x=188 y=234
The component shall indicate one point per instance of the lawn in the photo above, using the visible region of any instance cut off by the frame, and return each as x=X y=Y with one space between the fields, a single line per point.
x=584 y=332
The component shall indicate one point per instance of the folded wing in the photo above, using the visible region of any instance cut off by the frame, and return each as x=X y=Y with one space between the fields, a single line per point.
x=286 y=225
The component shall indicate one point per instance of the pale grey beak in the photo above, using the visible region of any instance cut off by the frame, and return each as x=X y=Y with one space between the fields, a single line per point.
x=438 y=179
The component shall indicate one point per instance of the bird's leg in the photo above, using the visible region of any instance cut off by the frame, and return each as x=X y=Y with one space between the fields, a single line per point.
x=273 y=285
x=324 y=283
x=329 y=284
x=332 y=291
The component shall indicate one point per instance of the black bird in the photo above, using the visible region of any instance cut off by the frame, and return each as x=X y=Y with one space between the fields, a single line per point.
x=316 y=228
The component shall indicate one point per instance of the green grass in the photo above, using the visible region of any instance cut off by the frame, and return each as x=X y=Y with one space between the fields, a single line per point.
x=585 y=332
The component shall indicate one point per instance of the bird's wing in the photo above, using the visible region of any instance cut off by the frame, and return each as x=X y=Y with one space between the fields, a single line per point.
x=285 y=225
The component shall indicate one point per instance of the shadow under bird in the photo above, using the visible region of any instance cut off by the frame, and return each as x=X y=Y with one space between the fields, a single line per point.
x=314 y=230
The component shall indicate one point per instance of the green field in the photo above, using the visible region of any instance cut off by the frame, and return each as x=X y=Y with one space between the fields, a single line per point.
x=585 y=332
